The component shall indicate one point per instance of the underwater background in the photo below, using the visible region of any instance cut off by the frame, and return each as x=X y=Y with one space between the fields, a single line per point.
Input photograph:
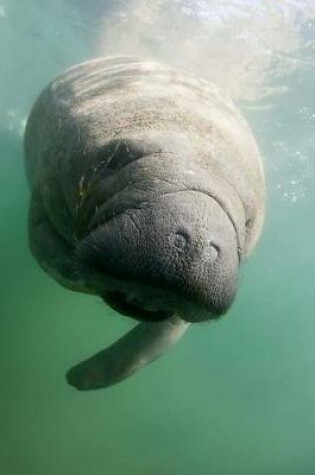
x=233 y=398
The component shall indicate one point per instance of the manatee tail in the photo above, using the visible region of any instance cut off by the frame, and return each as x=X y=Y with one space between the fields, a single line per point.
x=143 y=344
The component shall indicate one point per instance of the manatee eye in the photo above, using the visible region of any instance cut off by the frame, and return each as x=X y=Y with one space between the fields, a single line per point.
x=214 y=252
x=118 y=153
x=181 y=240
x=249 y=223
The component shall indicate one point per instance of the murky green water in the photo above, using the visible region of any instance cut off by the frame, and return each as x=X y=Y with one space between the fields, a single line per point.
x=233 y=398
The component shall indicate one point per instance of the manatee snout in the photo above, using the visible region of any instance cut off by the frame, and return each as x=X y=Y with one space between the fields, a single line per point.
x=177 y=254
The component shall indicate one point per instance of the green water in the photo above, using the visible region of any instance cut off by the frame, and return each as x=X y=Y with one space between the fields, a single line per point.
x=233 y=398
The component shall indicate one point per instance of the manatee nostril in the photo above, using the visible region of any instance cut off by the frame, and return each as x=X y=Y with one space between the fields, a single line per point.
x=181 y=240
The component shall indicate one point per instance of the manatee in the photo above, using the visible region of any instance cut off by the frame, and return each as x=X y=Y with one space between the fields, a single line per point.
x=147 y=190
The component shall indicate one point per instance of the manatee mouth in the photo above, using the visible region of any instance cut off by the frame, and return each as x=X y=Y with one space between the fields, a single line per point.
x=133 y=308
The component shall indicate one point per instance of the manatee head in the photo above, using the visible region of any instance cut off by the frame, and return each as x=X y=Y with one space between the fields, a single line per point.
x=162 y=242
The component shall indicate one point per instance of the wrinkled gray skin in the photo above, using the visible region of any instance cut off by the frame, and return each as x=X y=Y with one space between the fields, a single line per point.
x=147 y=190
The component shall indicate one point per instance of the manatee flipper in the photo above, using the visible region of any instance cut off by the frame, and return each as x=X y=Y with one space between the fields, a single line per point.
x=143 y=344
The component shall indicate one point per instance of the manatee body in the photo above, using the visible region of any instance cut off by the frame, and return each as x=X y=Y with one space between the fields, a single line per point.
x=148 y=191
